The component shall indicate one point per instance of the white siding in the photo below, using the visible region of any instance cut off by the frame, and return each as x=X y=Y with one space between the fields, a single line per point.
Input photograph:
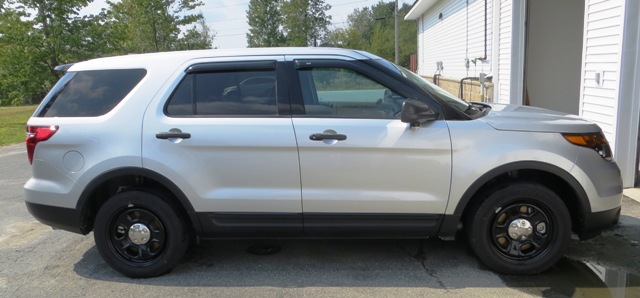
x=504 y=52
x=458 y=36
x=601 y=55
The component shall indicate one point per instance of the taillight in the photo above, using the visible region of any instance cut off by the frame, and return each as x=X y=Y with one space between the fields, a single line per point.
x=37 y=134
x=595 y=141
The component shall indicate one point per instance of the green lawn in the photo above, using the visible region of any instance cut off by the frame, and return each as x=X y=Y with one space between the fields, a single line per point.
x=12 y=123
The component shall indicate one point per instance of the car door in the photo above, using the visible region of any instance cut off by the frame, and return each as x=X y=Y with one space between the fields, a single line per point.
x=363 y=171
x=224 y=135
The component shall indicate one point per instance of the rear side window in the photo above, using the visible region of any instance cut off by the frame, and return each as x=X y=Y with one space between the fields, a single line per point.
x=90 y=93
x=225 y=93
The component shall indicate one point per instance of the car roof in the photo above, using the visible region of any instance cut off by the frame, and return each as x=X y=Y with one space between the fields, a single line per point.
x=180 y=57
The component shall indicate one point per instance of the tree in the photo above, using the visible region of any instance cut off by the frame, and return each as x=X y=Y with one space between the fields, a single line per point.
x=372 y=29
x=265 y=22
x=305 y=22
x=35 y=37
x=359 y=30
x=143 y=26
x=18 y=81
x=199 y=36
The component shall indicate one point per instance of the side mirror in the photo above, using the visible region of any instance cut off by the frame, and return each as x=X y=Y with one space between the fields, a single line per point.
x=416 y=112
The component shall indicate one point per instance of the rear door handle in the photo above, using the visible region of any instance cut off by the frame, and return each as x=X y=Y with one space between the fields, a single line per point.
x=173 y=133
x=325 y=136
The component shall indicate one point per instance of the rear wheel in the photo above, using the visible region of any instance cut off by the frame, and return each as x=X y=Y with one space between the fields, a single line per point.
x=139 y=234
x=520 y=229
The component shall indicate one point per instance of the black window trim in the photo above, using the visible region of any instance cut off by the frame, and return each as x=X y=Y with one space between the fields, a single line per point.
x=232 y=66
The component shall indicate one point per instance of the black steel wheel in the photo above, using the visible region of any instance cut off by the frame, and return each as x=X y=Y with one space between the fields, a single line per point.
x=139 y=234
x=522 y=228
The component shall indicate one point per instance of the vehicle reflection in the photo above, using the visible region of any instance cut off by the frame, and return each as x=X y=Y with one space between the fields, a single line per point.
x=578 y=279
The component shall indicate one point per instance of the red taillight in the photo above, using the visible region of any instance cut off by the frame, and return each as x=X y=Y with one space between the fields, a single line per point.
x=37 y=134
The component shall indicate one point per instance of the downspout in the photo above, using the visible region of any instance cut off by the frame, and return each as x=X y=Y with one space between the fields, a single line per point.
x=482 y=81
x=495 y=50
x=485 y=32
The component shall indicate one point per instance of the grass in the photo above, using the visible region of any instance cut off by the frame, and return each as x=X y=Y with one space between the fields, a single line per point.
x=12 y=123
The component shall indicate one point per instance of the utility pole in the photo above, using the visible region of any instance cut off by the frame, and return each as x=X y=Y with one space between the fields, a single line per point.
x=397 y=35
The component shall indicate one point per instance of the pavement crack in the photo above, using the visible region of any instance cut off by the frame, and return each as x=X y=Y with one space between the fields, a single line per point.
x=421 y=257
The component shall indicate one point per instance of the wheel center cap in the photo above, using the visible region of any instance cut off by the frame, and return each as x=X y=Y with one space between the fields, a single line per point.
x=139 y=234
x=520 y=229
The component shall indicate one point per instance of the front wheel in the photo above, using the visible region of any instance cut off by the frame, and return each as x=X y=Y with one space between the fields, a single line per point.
x=520 y=229
x=139 y=234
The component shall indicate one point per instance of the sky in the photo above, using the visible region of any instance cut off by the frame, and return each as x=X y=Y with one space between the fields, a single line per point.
x=228 y=18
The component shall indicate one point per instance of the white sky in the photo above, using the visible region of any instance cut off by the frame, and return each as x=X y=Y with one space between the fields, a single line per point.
x=229 y=17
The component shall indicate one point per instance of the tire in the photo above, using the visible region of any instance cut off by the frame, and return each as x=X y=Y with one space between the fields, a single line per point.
x=140 y=235
x=523 y=228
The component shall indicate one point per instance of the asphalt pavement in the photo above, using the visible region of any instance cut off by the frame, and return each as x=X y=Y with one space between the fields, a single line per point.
x=36 y=261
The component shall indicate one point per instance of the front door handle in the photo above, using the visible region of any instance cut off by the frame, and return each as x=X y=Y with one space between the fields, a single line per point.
x=173 y=133
x=326 y=136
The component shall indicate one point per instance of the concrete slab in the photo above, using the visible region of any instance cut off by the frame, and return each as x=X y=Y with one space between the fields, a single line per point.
x=633 y=193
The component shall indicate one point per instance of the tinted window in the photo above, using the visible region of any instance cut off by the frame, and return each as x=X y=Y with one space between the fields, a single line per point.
x=340 y=92
x=91 y=93
x=225 y=93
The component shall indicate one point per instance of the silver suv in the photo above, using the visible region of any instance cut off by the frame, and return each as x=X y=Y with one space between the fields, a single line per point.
x=152 y=151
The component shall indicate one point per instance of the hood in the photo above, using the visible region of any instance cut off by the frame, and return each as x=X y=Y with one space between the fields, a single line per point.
x=525 y=118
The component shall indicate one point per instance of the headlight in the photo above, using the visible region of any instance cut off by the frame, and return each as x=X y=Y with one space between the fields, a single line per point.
x=595 y=141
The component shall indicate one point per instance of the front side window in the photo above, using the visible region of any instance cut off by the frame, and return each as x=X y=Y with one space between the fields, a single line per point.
x=427 y=86
x=225 y=93
x=90 y=93
x=344 y=93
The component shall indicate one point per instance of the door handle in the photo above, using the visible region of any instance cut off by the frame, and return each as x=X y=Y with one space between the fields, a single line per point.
x=173 y=133
x=326 y=136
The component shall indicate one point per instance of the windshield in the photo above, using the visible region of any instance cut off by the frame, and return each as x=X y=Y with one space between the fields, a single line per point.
x=429 y=87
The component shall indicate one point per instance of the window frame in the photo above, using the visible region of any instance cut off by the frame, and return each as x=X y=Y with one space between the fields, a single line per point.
x=391 y=83
x=282 y=95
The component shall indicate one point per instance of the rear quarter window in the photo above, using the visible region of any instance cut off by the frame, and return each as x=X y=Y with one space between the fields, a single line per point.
x=90 y=93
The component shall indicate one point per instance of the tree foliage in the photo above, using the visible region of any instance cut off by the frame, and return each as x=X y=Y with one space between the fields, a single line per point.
x=265 y=22
x=305 y=22
x=143 y=26
x=373 y=29
x=287 y=22
x=35 y=37
x=38 y=35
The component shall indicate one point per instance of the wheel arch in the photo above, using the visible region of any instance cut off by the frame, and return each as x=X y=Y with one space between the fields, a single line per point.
x=555 y=178
x=101 y=188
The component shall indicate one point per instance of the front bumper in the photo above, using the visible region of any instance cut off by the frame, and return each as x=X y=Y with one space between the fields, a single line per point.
x=594 y=223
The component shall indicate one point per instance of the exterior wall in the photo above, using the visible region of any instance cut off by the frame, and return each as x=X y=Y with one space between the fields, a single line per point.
x=601 y=57
x=471 y=90
x=553 y=54
x=627 y=135
x=626 y=138
x=458 y=36
x=610 y=95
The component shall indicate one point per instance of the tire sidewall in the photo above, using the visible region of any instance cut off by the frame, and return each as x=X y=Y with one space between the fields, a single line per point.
x=175 y=244
x=480 y=235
